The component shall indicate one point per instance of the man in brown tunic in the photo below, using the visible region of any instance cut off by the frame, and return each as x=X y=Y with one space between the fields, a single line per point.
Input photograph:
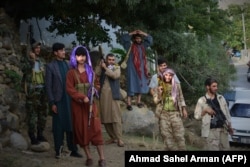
x=110 y=98
x=86 y=123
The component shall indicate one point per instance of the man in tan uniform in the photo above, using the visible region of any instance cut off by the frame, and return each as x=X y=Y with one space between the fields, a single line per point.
x=110 y=98
x=216 y=135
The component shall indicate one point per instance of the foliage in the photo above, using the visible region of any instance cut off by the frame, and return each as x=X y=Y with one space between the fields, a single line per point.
x=85 y=18
x=8 y=161
x=235 y=35
x=187 y=33
x=119 y=53
x=15 y=77
x=198 y=60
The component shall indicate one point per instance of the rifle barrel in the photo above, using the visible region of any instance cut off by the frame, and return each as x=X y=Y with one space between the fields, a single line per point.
x=90 y=114
x=91 y=101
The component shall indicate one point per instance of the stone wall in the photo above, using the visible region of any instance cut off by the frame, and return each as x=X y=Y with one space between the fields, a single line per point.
x=12 y=110
x=10 y=51
x=12 y=100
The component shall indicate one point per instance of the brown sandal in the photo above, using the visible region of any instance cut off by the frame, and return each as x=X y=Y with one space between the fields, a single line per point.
x=102 y=163
x=89 y=162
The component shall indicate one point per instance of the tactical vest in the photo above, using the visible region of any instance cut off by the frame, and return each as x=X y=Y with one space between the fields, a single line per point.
x=81 y=87
x=168 y=102
x=37 y=77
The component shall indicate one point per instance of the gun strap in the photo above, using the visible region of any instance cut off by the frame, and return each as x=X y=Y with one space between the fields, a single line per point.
x=127 y=55
x=129 y=50
x=78 y=80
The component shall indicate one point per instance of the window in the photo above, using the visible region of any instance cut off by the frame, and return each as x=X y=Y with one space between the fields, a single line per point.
x=240 y=110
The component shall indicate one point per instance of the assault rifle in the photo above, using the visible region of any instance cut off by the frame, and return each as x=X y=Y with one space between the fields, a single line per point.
x=101 y=52
x=26 y=58
x=92 y=91
x=30 y=36
x=219 y=119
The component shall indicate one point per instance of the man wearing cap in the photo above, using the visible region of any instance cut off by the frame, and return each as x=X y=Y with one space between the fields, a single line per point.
x=34 y=87
x=137 y=71
x=59 y=101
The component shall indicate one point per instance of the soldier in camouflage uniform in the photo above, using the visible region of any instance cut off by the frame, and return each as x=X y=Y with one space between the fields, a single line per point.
x=34 y=87
x=170 y=107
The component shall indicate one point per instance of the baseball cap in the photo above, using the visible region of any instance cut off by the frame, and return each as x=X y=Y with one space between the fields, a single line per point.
x=36 y=44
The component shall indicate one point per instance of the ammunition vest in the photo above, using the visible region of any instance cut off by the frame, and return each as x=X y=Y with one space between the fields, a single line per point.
x=81 y=87
x=37 y=77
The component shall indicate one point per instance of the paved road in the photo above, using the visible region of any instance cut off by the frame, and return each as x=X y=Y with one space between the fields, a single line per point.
x=241 y=81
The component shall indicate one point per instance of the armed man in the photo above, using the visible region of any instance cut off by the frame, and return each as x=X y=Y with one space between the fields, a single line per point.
x=34 y=87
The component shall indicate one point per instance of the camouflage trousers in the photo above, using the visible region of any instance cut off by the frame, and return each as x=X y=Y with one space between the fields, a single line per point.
x=217 y=140
x=37 y=109
x=172 y=130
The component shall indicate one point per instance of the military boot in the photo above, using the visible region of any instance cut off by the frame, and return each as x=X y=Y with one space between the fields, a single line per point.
x=40 y=136
x=33 y=139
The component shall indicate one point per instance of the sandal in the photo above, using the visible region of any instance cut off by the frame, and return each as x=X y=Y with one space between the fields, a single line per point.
x=102 y=163
x=110 y=141
x=89 y=162
x=140 y=105
x=129 y=107
x=120 y=143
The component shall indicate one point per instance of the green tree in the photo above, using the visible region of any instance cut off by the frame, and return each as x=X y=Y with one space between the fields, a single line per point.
x=235 y=35
x=186 y=32
x=199 y=60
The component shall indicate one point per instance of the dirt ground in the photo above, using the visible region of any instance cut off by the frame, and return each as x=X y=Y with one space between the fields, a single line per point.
x=114 y=155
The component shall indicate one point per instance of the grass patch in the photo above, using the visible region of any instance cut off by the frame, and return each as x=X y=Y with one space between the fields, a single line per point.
x=7 y=160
